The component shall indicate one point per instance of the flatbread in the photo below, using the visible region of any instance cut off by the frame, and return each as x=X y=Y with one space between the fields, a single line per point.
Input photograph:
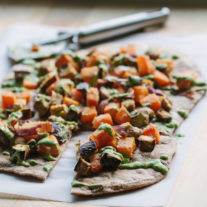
x=36 y=171
x=123 y=179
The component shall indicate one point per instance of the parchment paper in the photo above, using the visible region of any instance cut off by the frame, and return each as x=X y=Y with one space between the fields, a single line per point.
x=57 y=186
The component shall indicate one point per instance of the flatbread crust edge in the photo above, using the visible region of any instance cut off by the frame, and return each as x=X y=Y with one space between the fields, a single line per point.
x=124 y=180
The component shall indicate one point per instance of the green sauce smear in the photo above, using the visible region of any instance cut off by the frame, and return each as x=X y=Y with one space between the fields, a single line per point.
x=47 y=168
x=164 y=157
x=33 y=162
x=107 y=128
x=183 y=113
x=77 y=183
x=6 y=153
x=155 y=165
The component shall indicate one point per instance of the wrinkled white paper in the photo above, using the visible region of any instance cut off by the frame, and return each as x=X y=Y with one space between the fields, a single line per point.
x=58 y=185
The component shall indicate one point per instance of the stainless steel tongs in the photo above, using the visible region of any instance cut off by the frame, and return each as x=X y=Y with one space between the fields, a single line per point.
x=91 y=34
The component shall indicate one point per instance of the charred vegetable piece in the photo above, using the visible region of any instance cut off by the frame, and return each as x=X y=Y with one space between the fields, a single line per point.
x=87 y=149
x=27 y=114
x=6 y=136
x=42 y=104
x=103 y=70
x=163 y=115
x=110 y=159
x=124 y=59
x=129 y=104
x=146 y=143
x=19 y=153
x=134 y=80
x=83 y=168
x=74 y=113
x=61 y=132
x=166 y=104
x=33 y=146
x=67 y=71
x=17 y=115
x=20 y=71
x=153 y=54
x=50 y=79
x=139 y=118
x=56 y=98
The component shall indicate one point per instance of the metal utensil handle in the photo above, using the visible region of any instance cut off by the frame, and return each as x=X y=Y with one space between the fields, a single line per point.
x=120 y=26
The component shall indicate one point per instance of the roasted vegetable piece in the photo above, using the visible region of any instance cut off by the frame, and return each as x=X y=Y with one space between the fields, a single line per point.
x=48 y=80
x=6 y=136
x=87 y=149
x=26 y=95
x=88 y=114
x=49 y=145
x=161 y=78
x=145 y=65
x=110 y=159
x=92 y=97
x=153 y=54
x=32 y=127
x=126 y=145
x=67 y=71
x=8 y=99
x=61 y=132
x=139 y=93
x=153 y=101
x=88 y=74
x=19 y=153
x=166 y=103
x=77 y=95
x=103 y=118
x=33 y=146
x=152 y=130
x=30 y=84
x=168 y=62
x=129 y=104
x=14 y=117
x=83 y=168
x=20 y=71
x=163 y=115
x=59 y=110
x=96 y=165
x=139 y=118
x=74 y=113
x=146 y=143
x=122 y=116
x=112 y=109
x=104 y=136
x=56 y=98
x=42 y=104
x=134 y=80
x=69 y=101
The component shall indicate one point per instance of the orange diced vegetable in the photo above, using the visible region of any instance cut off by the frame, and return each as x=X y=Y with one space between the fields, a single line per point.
x=96 y=57
x=130 y=49
x=152 y=130
x=45 y=127
x=21 y=101
x=168 y=62
x=29 y=84
x=103 y=118
x=88 y=114
x=95 y=161
x=139 y=93
x=27 y=138
x=161 y=78
x=102 y=138
x=153 y=100
x=112 y=109
x=77 y=95
x=53 y=150
x=52 y=88
x=88 y=73
x=69 y=101
x=126 y=145
x=145 y=65
x=65 y=59
x=122 y=116
x=92 y=97
x=8 y=99
x=26 y=95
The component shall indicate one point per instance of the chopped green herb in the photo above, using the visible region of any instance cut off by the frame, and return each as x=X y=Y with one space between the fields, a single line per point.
x=47 y=168
x=175 y=57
